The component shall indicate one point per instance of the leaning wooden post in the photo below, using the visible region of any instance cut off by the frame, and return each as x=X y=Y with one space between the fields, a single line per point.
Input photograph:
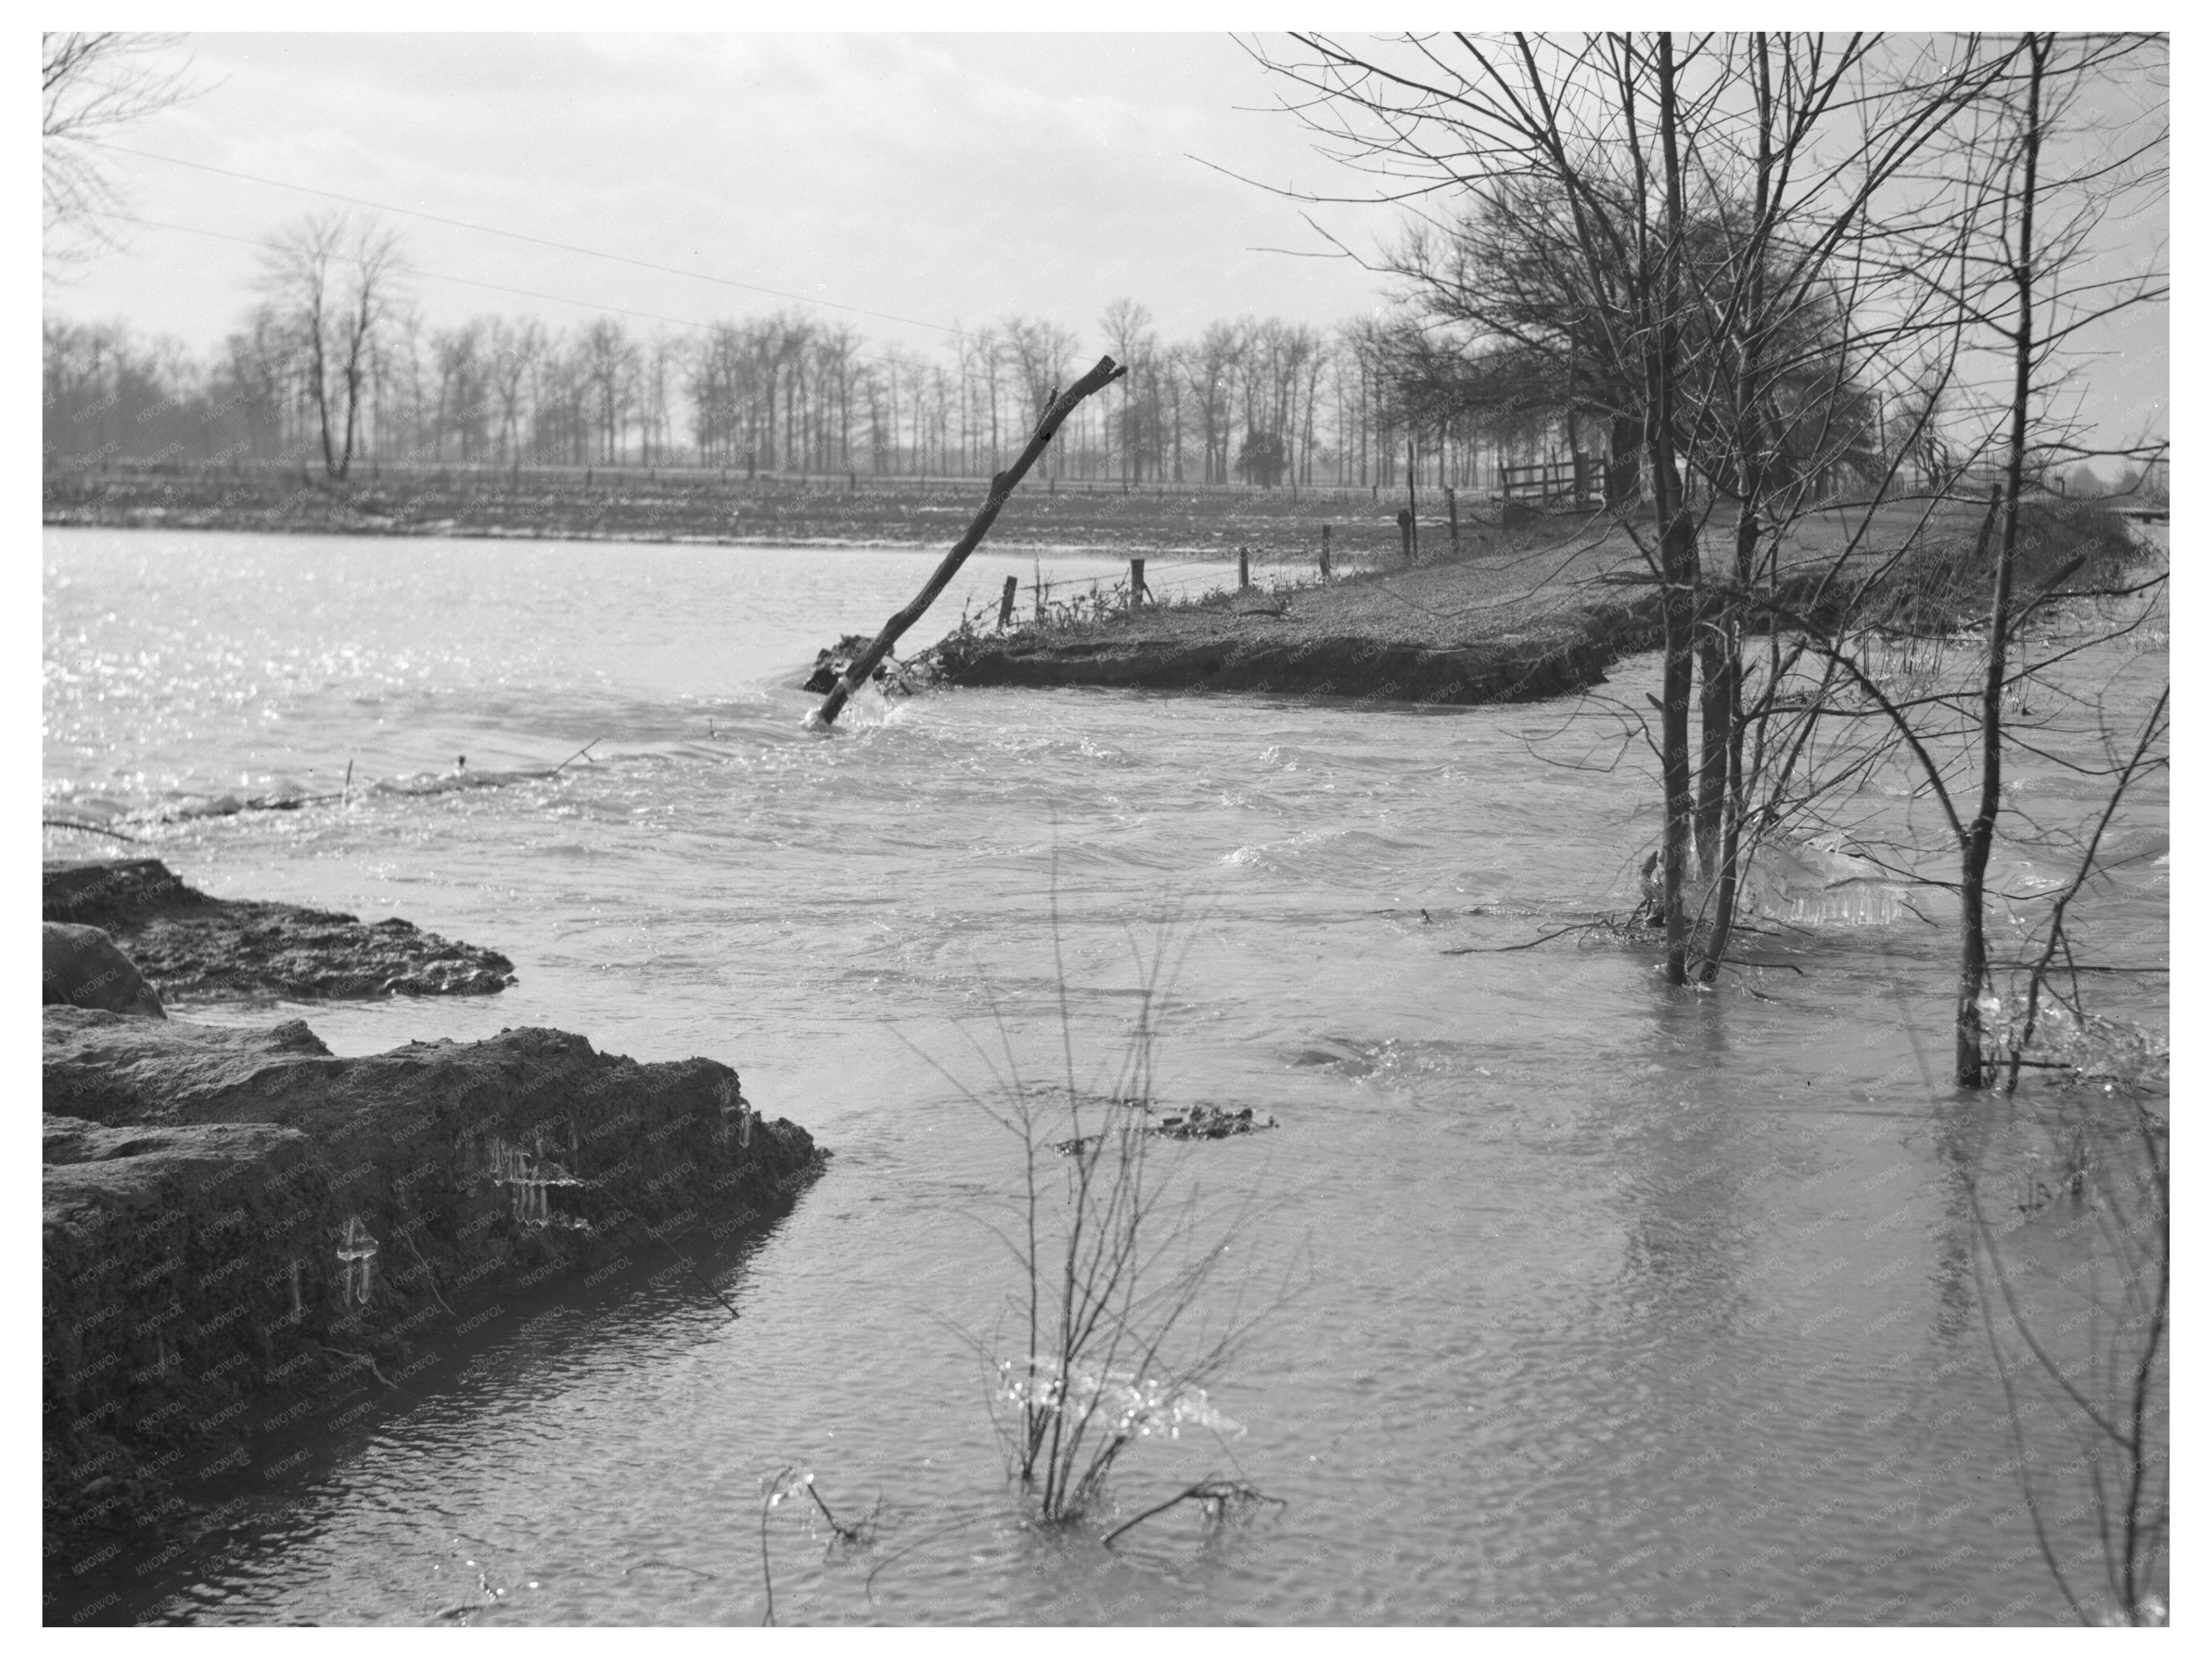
x=1006 y=603
x=1104 y=372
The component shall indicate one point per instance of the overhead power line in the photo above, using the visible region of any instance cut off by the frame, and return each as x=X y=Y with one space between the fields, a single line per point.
x=518 y=236
x=439 y=277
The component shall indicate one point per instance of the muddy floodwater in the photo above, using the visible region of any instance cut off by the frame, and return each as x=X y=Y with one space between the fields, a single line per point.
x=1585 y=1301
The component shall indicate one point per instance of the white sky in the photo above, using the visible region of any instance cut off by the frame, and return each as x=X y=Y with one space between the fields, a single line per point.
x=940 y=178
x=937 y=178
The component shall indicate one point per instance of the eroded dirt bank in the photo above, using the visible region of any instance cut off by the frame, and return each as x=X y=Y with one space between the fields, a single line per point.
x=249 y=1242
x=188 y=944
x=1542 y=615
x=245 y=1234
x=1508 y=627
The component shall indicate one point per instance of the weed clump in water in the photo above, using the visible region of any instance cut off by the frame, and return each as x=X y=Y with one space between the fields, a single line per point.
x=1114 y=1275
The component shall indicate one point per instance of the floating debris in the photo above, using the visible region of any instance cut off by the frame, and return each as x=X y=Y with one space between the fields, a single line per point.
x=1211 y=1123
x=1198 y=1123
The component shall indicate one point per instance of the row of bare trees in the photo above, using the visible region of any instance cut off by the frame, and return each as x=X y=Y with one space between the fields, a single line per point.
x=1802 y=267
x=331 y=365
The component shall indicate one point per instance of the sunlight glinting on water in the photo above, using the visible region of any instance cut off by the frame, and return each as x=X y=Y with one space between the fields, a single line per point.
x=1569 y=1281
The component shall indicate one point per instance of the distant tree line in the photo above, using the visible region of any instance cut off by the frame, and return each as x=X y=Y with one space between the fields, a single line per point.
x=1487 y=360
x=331 y=366
x=1259 y=401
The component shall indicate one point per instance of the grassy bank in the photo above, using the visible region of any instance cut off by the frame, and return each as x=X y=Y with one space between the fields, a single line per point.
x=1538 y=611
x=1534 y=615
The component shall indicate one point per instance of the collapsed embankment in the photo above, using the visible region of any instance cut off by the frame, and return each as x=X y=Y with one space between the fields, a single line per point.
x=1542 y=618
x=1511 y=627
x=1211 y=653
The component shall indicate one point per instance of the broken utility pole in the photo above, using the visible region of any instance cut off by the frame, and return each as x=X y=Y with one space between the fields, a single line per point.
x=1057 y=408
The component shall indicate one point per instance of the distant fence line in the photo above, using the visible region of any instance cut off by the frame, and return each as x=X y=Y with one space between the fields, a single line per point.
x=512 y=474
x=1574 y=483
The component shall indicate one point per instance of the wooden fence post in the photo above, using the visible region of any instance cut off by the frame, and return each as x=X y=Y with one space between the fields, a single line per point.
x=1324 y=553
x=1244 y=568
x=1006 y=603
x=1136 y=584
x=1451 y=505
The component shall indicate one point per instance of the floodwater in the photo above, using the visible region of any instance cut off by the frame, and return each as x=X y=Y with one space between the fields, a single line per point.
x=1576 y=1299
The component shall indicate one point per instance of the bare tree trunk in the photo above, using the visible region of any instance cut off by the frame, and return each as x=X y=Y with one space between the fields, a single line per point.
x=1713 y=628
x=1624 y=465
x=1973 y=953
x=1413 y=505
x=356 y=344
x=1678 y=541
x=1104 y=372
x=1721 y=828
x=318 y=372
x=1678 y=562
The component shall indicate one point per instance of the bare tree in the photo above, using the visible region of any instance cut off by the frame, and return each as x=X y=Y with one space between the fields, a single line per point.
x=92 y=83
x=334 y=282
x=2024 y=280
x=611 y=364
x=2050 y=305
x=1127 y=328
x=1212 y=372
x=514 y=349
x=1684 y=232
x=660 y=357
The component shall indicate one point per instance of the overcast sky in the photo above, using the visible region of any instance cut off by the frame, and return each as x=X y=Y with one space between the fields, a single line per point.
x=941 y=179
x=938 y=179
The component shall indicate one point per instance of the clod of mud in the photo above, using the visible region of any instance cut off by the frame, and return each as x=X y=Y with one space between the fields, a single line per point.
x=831 y=662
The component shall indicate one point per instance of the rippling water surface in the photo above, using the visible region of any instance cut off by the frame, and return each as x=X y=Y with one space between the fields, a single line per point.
x=1599 y=1303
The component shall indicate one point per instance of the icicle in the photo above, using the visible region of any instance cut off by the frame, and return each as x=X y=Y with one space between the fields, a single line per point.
x=358 y=1247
